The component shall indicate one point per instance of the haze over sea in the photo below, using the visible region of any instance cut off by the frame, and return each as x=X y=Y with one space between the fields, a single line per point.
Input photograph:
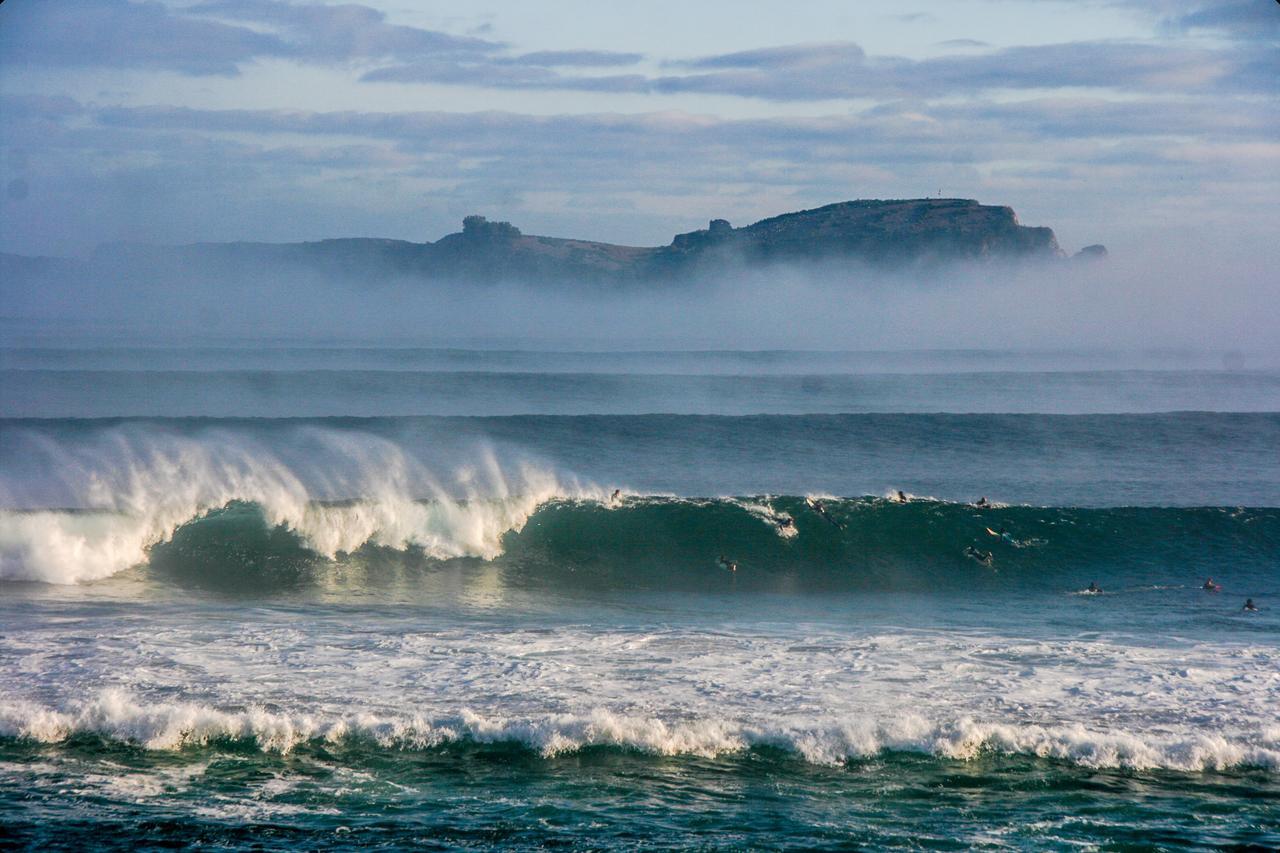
x=343 y=596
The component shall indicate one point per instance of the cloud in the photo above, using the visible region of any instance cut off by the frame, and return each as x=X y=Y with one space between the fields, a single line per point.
x=40 y=107
x=1094 y=118
x=823 y=71
x=787 y=57
x=504 y=75
x=1243 y=20
x=323 y=33
x=578 y=58
x=121 y=34
x=682 y=153
x=844 y=70
x=900 y=141
x=1252 y=20
x=218 y=37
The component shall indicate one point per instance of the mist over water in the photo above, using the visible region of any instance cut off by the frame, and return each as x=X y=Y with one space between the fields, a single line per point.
x=1175 y=298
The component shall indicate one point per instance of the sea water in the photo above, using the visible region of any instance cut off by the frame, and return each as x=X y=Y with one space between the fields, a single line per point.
x=304 y=597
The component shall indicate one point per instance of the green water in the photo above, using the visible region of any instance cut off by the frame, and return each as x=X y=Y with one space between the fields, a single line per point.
x=468 y=795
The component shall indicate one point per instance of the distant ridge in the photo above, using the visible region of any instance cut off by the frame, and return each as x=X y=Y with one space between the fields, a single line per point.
x=898 y=232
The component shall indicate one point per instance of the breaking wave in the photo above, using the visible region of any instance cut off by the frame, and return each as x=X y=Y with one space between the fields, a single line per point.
x=131 y=492
x=536 y=529
x=117 y=716
x=219 y=505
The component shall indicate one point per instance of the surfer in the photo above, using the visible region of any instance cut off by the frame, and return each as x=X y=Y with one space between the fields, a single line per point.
x=817 y=507
x=1210 y=586
x=1249 y=605
x=902 y=498
x=1003 y=534
x=786 y=522
x=983 y=557
x=1094 y=588
x=982 y=502
x=728 y=564
x=617 y=493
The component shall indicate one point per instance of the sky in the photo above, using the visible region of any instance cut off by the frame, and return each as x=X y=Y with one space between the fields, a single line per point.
x=1125 y=122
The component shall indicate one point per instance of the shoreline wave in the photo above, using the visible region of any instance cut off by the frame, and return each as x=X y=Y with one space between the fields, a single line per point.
x=117 y=717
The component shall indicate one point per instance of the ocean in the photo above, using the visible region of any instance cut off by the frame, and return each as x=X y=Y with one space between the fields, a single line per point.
x=285 y=596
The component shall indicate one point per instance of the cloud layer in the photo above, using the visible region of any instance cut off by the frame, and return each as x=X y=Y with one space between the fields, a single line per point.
x=222 y=37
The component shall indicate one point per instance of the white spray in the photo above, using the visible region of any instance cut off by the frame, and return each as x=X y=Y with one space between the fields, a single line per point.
x=136 y=486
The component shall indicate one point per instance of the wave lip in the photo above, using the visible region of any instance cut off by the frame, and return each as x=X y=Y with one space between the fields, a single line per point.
x=146 y=486
x=119 y=717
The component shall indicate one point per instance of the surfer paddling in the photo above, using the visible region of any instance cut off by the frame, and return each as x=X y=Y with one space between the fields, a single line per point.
x=1093 y=589
x=1249 y=605
x=726 y=563
x=983 y=557
x=1003 y=534
x=1210 y=586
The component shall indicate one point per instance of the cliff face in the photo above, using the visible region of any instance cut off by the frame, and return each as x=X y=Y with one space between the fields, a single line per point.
x=915 y=230
x=497 y=250
x=875 y=232
x=894 y=233
x=919 y=228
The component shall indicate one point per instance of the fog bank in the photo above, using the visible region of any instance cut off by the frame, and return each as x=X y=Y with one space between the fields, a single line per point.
x=1179 y=297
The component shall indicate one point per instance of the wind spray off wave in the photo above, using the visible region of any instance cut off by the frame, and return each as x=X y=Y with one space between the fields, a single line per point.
x=127 y=490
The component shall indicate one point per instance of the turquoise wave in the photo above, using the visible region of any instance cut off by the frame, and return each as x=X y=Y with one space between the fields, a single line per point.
x=828 y=543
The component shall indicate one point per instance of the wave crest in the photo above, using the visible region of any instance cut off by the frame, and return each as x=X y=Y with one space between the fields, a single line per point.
x=117 y=716
x=132 y=490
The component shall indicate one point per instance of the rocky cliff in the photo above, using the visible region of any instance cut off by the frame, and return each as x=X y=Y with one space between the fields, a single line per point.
x=873 y=231
x=876 y=232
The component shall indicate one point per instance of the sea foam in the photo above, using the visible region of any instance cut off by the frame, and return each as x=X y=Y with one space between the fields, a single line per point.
x=118 y=716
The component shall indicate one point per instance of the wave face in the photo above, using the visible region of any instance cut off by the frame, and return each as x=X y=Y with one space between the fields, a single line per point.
x=651 y=542
x=881 y=544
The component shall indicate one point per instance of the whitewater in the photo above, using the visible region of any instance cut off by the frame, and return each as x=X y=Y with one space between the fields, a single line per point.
x=419 y=624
